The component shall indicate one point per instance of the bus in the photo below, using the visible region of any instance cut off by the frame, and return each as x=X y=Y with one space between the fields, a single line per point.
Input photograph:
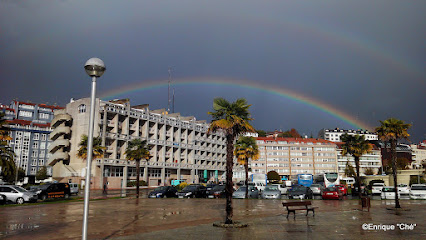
x=331 y=179
x=305 y=179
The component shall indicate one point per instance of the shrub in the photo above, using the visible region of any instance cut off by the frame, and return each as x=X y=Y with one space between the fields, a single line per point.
x=181 y=186
x=133 y=183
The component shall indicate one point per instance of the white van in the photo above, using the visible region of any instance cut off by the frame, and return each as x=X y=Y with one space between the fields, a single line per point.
x=73 y=188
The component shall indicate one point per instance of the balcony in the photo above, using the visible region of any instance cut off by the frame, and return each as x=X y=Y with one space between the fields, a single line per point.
x=55 y=145
x=58 y=156
x=59 y=131
x=59 y=119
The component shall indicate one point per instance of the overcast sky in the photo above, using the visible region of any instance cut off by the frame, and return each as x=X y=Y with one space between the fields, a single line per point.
x=364 y=58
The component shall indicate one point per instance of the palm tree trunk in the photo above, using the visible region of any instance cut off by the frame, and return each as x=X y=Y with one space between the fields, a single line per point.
x=394 y=172
x=358 y=179
x=138 y=172
x=229 y=189
x=246 y=181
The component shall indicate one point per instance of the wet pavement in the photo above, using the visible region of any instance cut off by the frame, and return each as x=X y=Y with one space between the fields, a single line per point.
x=130 y=218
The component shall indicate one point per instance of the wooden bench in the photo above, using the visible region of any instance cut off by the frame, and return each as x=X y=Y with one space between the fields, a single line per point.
x=299 y=205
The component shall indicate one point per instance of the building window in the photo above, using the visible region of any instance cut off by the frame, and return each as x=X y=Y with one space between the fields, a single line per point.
x=44 y=137
x=33 y=170
x=25 y=114
x=34 y=162
x=43 y=116
x=41 y=162
x=42 y=154
x=35 y=145
x=34 y=154
x=36 y=136
x=82 y=108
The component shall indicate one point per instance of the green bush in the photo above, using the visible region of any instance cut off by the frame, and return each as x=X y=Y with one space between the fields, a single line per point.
x=181 y=186
x=133 y=183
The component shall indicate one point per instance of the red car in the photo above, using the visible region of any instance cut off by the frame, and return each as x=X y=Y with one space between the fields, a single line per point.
x=332 y=193
x=343 y=189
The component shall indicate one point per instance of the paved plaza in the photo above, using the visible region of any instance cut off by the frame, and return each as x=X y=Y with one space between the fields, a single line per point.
x=131 y=218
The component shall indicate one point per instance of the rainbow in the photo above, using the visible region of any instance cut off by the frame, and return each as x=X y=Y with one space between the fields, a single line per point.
x=274 y=90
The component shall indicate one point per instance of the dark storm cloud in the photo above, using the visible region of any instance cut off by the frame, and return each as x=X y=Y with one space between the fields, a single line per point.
x=363 y=57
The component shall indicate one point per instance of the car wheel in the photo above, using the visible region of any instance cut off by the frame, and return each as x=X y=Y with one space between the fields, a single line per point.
x=67 y=196
x=20 y=201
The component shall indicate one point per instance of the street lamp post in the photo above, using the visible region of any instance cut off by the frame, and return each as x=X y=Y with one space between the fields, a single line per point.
x=94 y=67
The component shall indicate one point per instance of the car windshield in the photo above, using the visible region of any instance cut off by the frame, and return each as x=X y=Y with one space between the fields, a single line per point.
x=161 y=188
x=241 y=189
x=331 y=189
x=190 y=188
x=402 y=185
x=418 y=187
x=44 y=187
x=218 y=188
x=298 y=188
x=20 y=189
x=388 y=189
x=271 y=188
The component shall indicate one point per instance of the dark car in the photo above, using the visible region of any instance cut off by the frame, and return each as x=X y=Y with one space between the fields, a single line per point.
x=355 y=190
x=210 y=186
x=300 y=192
x=192 y=191
x=54 y=190
x=217 y=191
x=163 y=192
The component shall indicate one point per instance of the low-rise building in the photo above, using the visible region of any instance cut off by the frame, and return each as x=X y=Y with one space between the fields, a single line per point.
x=180 y=147
x=334 y=135
x=371 y=160
x=419 y=155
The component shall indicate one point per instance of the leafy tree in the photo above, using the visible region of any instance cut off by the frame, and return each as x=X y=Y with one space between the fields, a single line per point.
x=233 y=120
x=246 y=148
x=292 y=133
x=261 y=133
x=10 y=175
x=137 y=150
x=4 y=129
x=349 y=170
x=273 y=176
x=42 y=173
x=7 y=163
x=391 y=130
x=98 y=150
x=369 y=171
x=356 y=146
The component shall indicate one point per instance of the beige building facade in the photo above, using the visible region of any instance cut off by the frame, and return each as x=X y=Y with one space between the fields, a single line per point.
x=292 y=156
x=180 y=146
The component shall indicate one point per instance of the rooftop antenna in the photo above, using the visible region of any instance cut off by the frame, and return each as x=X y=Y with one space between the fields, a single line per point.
x=168 y=90
x=173 y=102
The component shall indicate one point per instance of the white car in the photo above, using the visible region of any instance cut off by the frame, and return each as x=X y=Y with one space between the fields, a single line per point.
x=389 y=193
x=377 y=188
x=403 y=189
x=418 y=191
x=281 y=187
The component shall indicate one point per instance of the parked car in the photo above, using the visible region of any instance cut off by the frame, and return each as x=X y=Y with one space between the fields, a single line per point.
x=389 y=193
x=253 y=192
x=17 y=194
x=74 y=188
x=317 y=189
x=2 y=199
x=418 y=191
x=271 y=192
x=210 y=186
x=54 y=190
x=193 y=190
x=343 y=189
x=259 y=185
x=332 y=193
x=163 y=192
x=355 y=190
x=300 y=192
x=281 y=187
x=403 y=189
x=376 y=188
x=217 y=191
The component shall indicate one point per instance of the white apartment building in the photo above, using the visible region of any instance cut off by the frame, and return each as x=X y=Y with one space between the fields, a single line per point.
x=333 y=135
x=179 y=146
x=371 y=160
x=419 y=155
x=292 y=156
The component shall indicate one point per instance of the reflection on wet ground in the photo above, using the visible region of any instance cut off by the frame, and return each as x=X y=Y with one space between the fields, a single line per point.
x=144 y=218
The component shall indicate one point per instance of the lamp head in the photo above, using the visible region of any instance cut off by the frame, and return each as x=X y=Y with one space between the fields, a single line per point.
x=94 y=67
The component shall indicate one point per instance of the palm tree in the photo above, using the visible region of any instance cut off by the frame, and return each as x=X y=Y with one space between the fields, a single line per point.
x=137 y=150
x=245 y=149
x=391 y=130
x=355 y=145
x=98 y=150
x=232 y=119
x=7 y=163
